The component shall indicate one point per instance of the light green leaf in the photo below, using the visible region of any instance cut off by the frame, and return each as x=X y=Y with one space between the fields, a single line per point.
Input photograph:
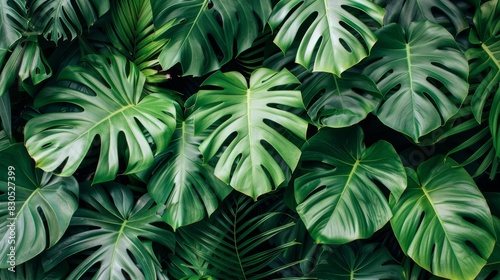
x=113 y=107
x=116 y=244
x=443 y=216
x=13 y=23
x=200 y=24
x=339 y=102
x=58 y=19
x=343 y=39
x=370 y=261
x=250 y=118
x=188 y=190
x=443 y=12
x=35 y=207
x=422 y=74
x=338 y=196
x=484 y=59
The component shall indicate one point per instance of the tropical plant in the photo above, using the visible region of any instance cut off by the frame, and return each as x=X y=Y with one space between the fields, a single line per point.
x=243 y=139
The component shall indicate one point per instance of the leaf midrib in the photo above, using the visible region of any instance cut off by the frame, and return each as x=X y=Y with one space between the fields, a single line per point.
x=491 y=55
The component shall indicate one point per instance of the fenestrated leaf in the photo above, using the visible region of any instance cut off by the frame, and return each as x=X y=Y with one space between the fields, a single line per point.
x=443 y=12
x=339 y=102
x=35 y=206
x=251 y=117
x=442 y=215
x=343 y=39
x=198 y=24
x=117 y=243
x=484 y=59
x=58 y=19
x=370 y=261
x=338 y=196
x=115 y=106
x=13 y=23
x=422 y=74
x=188 y=189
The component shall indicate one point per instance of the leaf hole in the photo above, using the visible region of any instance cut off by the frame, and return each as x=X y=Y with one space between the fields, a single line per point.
x=345 y=45
x=473 y=248
x=210 y=5
x=47 y=145
x=215 y=46
x=492 y=275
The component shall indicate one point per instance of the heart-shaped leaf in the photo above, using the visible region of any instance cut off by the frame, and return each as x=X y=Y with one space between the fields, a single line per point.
x=251 y=118
x=338 y=196
x=442 y=215
x=422 y=74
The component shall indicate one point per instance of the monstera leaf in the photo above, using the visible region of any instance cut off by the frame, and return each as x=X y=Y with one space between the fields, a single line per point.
x=421 y=73
x=405 y=12
x=339 y=102
x=442 y=215
x=370 y=261
x=252 y=119
x=33 y=270
x=114 y=107
x=343 y=38
x=196 y=29
x=485 y=58
x=60 y=18
x=338 y=196
x=13 y=23
x=117 y=244
x=188 y=189
x=35 y=207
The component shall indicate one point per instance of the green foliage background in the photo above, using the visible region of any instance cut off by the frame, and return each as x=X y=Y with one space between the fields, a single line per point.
x=249 y=139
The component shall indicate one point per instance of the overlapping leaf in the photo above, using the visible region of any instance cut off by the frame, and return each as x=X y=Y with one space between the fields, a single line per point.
x=343 y=38
x=339 y=102
x=59 y=19
x=405 y=12
x=370 y=261
x=442 y=215
x=484 y=59
x=118 y=241
x=338 y=196
x=115 y=106
x=204 y=31
x=188 y=189
x=13 y=22
x=250 y=119
x=422 y=74
x=35 y=207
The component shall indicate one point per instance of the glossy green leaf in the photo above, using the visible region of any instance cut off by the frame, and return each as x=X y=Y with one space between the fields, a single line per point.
x=201 y=24
x=338 y=195
x=484 y=59
x=116 y=244
x=494 y=121
x=4 y=140
x=232 y=244
x=114 y=107
x=59 y=19
x=370 y=261
x=443 y=12
x=13 y=22
x=33 y=270
x=35 y=207
x=188 y=189
x=34 y=66
x=422 y=74
x=339 y=102
x=343 y=39
x=251 y=118
x=443 y=216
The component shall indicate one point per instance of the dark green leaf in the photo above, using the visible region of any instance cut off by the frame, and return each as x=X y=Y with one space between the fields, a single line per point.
x=338 y=196
x=116 y=244
x=35 y=207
